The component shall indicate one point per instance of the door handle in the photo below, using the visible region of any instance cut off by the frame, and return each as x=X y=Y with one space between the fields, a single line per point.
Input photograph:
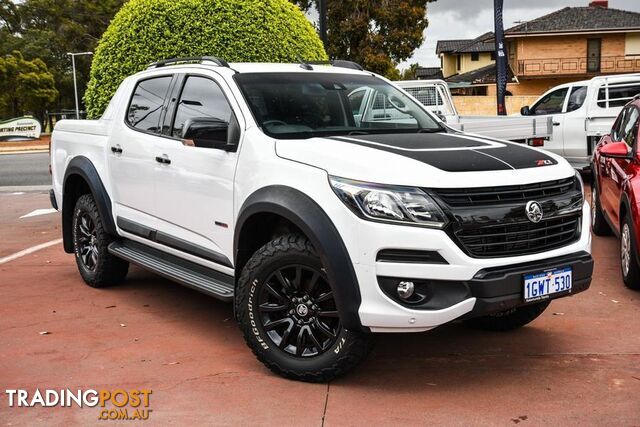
x=117 y=149
x=556 y=123
x=164 y=159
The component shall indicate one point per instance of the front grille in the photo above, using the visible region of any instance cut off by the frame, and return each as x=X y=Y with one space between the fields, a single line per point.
x=519 y=238
x=462 y=197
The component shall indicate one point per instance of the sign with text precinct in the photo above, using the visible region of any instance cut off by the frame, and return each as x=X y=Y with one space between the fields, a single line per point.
x=21 y=128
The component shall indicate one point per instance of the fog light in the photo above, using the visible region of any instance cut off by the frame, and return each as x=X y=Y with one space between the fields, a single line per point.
x=405 y=290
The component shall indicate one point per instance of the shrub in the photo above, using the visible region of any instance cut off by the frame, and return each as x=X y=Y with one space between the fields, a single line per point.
x=144 y=31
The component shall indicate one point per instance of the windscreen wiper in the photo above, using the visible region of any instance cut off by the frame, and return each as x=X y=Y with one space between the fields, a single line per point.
x=431 y=130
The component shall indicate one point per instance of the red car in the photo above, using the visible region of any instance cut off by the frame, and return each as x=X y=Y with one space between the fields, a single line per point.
x=616 y=189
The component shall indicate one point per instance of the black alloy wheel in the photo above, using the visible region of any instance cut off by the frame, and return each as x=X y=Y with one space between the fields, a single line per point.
x=288 y=313
x=91 y=242
x=87 y=241
x=298 y=311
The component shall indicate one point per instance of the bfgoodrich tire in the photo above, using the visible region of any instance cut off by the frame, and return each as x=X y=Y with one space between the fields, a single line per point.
x=508 y=320
x=286 y=310
x=97 y=266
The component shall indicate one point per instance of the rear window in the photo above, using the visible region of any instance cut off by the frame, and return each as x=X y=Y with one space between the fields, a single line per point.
x=427 y=95
x=146 y=104
x=617 y=95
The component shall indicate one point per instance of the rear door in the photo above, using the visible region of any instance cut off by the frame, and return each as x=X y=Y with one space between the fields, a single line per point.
x=194 y=200
x=553 y=104
x=132 y=150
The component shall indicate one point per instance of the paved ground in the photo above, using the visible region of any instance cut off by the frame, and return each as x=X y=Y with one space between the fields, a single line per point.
x=24 y=169
x=578 y=364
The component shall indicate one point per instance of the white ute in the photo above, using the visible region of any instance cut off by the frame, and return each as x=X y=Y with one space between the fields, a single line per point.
x=276 y=187
x=436 y=97
x=582 y=112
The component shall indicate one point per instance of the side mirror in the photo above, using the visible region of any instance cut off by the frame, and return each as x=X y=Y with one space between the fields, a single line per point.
x=616 y=150
x=525 y=110
x=210 y=132
x=440 y=115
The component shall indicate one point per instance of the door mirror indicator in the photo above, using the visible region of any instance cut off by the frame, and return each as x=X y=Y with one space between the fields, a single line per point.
x=616 y=150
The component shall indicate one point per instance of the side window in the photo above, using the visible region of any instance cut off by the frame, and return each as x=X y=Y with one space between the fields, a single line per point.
x=552 y=103
x=619 y=125
x=355 y=100
x=576 y=98
x=387 y=109
x=202 y=100
x=629 y=131
x=619 y=94
x=146 y=104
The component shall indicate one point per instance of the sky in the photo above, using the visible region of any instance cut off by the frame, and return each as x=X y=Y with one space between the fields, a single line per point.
x=467 y=19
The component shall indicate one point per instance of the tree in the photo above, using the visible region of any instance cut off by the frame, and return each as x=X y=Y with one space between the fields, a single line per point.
x=377 y=34
x=26 y=86
x=48 y=29
x=145 y=31
x=410 y=73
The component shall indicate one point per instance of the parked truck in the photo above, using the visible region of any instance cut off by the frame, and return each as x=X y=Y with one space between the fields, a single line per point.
x=267 y=186
x=436 y=97
x=582 y=112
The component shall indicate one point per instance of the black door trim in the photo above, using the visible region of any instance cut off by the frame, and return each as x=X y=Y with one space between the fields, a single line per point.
x=172 y=242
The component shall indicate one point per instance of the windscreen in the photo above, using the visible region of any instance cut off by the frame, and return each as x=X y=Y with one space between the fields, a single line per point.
x=305 y=105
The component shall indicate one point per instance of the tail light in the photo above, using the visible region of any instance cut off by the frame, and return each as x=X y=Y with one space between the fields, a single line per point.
x=536 y=142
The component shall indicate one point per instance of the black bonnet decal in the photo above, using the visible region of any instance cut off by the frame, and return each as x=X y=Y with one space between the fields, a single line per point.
x=455 y=153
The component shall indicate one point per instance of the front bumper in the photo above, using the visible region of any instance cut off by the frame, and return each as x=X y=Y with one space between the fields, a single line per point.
x=472 y=286
x=500 y=289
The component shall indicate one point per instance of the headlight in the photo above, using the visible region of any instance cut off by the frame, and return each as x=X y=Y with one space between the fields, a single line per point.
x=580 y=182
x=376 y=202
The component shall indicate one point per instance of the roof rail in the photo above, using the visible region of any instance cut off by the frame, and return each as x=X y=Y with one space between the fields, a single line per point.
x=347 y=64
x=341 y=63
x=195 y=59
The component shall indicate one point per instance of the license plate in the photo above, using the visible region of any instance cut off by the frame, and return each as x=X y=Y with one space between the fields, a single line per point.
x=540 y=286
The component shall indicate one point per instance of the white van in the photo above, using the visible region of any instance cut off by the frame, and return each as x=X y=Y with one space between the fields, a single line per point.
x=582 y=112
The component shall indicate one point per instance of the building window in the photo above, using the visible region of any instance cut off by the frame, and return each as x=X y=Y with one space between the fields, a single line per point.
x=459 y=62
x=493 y=55
x=475 y=56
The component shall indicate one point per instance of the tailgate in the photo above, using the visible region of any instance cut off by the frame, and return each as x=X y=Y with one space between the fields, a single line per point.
x=509 y=128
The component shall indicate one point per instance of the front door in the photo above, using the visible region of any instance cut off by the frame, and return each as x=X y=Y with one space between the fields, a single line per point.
x=194 y=197
x=622 y=168
x=616 y=171
x=553 y=104
x=593 y=55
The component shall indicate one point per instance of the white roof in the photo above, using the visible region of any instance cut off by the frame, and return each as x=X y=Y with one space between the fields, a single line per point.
x=258 y=67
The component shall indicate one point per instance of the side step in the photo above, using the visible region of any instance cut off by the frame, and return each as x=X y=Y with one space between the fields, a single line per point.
x=187 y=273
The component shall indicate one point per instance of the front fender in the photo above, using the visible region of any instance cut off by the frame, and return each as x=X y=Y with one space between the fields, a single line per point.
x=311 y=219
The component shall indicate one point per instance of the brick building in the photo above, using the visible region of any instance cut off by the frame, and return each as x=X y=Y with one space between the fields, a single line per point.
x=573 y=43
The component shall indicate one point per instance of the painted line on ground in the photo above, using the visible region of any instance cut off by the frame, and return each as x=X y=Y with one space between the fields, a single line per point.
x=34 y=151
x=29 y=251
x=39 y=212
x=24 y=188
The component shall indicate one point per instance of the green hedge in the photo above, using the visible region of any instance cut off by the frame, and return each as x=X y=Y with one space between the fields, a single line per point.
x=145 y=31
